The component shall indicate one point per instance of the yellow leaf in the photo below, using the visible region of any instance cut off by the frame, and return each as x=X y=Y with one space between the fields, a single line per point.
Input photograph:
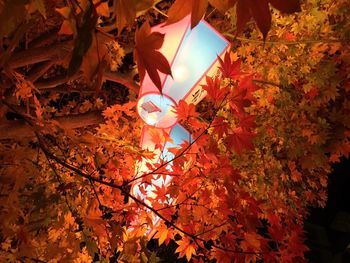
x=162 y=235
x=69 y=219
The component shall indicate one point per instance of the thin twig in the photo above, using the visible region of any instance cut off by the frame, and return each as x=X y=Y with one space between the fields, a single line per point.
x=159 y=11
x=184 y=150
x=285 y=42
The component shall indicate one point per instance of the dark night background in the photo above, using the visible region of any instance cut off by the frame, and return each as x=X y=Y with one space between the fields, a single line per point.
x=328 y=229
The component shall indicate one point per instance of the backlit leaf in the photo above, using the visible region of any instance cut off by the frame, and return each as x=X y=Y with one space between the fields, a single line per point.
x=147 y=56
x=182 y=8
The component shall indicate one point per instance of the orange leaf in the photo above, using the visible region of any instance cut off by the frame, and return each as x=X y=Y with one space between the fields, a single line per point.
x=287 y=7
x=66 y=28
x=164 y=234
x=260 y=11
x=186 y=247
x=251 y=240
x=102 y=9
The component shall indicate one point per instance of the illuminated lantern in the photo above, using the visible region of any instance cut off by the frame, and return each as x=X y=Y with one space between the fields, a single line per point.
x=192 y=54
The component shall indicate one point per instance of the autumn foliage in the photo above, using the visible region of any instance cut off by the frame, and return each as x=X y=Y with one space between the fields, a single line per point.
x=275 y=119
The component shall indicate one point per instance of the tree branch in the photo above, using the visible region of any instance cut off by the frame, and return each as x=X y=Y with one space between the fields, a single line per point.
x=40 y=54
x=19 y=129
x=123 y=79
x=55 y=81
x=286 y=42
x=136 y=200
x=38 y=70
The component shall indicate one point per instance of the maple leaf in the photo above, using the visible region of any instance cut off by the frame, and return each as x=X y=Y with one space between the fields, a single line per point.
x=246 y=121
x=186 y=248
x=12 y=13
x=38 y=109
x=84 y=39
x=251 y=241
x=185 y=111
x=288 y=7
x=164 y=234
x=240 y=140
x=127 y=10
x=248 y=84
x=182 y=8
x=220 y=126
x=296 y=245
x=228 y=68
x=215 y=92
x=259 y=10
x=125 y=13
x=238 y=100
x=222 y=5
x=147 y=57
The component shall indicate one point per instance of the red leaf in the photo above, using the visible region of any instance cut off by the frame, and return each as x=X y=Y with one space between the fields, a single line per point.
x=184 y=111
x=125 y=14
x=243 y=14
x=240 y=140
x=288 y=7
x=147 y=57
x=238 y=100
x=222 y=5
x=261 y=14
x=228 y=68
x=198 y=10
x=274 y=219
x=247 y=84
x=182 y=8
x=186 y=248
x=260 y=11
x=215 y=92
x=220 y=126
x=247 y=122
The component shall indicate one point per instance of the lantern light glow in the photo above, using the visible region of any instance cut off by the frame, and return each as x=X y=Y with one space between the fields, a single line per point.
x=192 y=54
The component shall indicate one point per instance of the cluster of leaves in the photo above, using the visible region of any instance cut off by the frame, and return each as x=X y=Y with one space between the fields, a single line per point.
x=265 y=137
